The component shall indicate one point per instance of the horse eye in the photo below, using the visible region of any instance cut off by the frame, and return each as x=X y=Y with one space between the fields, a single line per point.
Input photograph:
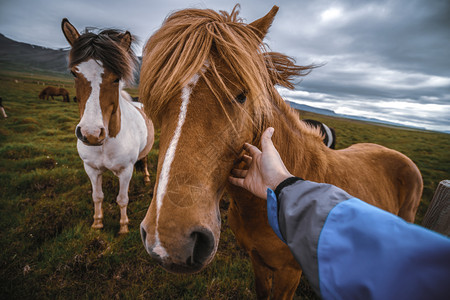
x=117 y=80
x=241 y=97
x=74 y=74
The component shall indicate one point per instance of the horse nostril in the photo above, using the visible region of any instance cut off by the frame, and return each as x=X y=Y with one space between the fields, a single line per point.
x=79 y=134
x=102 y=133
x=144 y=236
x=203 y=247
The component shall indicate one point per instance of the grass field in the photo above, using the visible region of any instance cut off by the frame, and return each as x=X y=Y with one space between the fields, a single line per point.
x=48 y=247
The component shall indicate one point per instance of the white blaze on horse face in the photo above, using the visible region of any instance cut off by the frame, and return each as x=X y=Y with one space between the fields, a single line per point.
x=92 y=118
x=168 y=159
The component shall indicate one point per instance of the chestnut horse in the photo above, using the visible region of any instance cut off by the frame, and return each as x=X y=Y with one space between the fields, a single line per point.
x=52 y=91
x=209 y=82
x=113 y=132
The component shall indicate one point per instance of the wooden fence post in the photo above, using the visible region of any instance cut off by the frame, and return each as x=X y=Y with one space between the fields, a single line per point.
x=437 y=217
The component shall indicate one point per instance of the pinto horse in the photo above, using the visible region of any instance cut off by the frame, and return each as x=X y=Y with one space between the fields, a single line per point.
x=328 y=133
x=209 y=82
x=52 y=91
x=113 y=133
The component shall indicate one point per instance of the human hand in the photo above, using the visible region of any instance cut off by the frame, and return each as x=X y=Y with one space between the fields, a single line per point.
x=266 y=169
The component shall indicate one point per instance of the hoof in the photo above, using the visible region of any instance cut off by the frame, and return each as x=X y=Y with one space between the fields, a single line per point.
x=123 y=229
x=97 y=225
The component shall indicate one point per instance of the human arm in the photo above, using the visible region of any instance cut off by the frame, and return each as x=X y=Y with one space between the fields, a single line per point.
x=349 y=249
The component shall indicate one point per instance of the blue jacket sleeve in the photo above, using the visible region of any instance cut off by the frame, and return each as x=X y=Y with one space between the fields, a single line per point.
x=351 y=250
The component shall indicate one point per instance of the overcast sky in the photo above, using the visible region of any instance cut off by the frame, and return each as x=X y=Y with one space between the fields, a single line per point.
x=388 y=60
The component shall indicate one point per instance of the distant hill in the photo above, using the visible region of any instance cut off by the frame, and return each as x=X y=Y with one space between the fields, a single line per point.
x=26 y=56
x=328 y=112
x=316 y=110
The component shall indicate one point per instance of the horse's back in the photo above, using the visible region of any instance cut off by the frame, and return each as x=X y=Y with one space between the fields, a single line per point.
x=63 y=91
x=380 y=176
x=130 y=99
x=126 y=96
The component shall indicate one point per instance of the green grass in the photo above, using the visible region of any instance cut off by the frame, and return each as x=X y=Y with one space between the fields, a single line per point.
x=48 y=247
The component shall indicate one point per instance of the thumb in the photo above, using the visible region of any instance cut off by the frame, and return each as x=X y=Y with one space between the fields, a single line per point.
x=266 y=139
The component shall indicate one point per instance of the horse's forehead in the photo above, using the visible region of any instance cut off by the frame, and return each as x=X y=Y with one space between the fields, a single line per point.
x=92 y=70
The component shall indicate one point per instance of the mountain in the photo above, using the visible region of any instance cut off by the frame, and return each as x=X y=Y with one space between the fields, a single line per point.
x=22 y=56
x=26 y=56
x=316 y=110
x=331 y=113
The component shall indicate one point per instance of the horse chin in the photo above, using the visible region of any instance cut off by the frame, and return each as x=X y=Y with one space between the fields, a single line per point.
x=93 y=144
x=189 y=267
x=182 y=269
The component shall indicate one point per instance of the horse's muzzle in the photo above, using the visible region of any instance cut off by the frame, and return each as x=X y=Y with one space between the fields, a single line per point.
x=195 y=251
x=91 y=140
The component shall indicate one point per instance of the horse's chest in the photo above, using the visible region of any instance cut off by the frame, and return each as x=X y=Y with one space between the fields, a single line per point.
x=103 y=158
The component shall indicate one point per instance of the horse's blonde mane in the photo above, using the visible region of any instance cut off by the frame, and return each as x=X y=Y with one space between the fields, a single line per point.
x=191 y=38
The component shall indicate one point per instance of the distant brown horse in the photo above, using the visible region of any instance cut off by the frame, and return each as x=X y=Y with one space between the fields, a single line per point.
x=52 y=91
x=208 y=80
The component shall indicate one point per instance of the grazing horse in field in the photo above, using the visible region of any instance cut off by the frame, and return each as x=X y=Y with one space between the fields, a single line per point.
x=52 y=91
x=113 y=133
x=328 y=133
x=209 y=82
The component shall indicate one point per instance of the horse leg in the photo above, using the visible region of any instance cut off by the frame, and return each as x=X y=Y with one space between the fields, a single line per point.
x=263 y=276
x=273 y=283
x=97 y=194
x=147 y=174
x=122 y=198
x=285 y=282
x=3 y=112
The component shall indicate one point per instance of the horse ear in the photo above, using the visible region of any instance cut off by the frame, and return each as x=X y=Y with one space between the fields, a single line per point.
x=261 y=26
x=70 y=32
x=126 y=40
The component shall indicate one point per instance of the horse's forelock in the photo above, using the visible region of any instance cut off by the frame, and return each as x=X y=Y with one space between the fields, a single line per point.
x=105 y=47
x=191 y=37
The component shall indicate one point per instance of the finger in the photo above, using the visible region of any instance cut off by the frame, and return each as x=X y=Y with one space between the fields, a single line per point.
x=251 y=149
x=239 y=173
x=247 y=159
x=266 y=139
x=236 y=181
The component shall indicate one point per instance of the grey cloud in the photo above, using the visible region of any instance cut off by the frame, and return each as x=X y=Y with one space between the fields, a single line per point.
x=377 y=50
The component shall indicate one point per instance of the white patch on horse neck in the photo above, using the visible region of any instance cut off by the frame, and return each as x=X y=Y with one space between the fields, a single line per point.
x=92 y=118
x=168 y=159
x=330 y=135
